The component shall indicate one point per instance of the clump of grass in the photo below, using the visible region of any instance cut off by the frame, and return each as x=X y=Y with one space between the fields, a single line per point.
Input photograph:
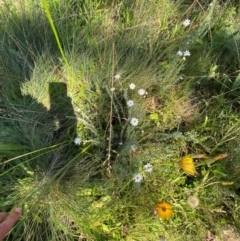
x=127 y=80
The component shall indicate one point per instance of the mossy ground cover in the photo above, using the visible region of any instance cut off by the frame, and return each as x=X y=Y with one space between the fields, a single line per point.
x=120 y=119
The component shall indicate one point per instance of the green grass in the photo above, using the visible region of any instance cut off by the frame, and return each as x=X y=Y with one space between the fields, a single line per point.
x=58 y=65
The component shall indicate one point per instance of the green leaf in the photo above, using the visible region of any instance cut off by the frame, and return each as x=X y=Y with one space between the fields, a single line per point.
x=10 y=147
x=236 y=83
x=154 y=116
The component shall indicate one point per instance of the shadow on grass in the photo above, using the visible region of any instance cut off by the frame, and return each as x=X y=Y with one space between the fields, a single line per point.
x=26 y=37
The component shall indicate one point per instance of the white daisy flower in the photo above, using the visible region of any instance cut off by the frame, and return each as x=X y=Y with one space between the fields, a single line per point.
x=179 y=53
x=117 y=76
x=78 y=141
x=132 y=86
x=148 y=167
x=138 y=178
x=130 y=103
x=142 y=92
x=186 y=22
x=186 y=53
x=134 y=121
x=112 y=89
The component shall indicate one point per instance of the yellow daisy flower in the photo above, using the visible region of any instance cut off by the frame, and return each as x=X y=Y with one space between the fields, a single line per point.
x=187 y=164
x=164 y=210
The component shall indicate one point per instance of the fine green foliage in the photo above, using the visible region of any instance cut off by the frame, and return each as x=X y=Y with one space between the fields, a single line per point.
x=101 y=101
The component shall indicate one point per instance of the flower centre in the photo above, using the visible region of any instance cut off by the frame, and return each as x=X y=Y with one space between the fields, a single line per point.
x=164 y=209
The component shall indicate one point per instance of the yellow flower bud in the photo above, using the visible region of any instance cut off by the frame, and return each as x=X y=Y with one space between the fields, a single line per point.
x=187 y=164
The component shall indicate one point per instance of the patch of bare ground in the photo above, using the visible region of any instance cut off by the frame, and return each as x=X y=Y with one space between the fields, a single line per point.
x=230 y=233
